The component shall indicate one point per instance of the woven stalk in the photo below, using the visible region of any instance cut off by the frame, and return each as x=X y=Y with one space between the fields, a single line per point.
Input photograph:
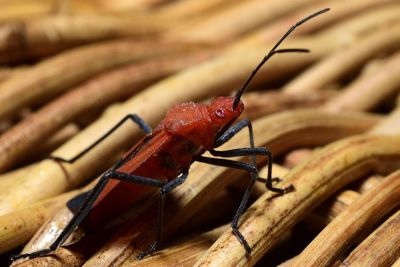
x=59 y=93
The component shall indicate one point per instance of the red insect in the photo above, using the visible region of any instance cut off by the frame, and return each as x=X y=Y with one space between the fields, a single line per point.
x=163 y=157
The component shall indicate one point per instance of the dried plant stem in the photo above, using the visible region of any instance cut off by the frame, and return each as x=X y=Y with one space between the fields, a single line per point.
x=331 y=208
x=190 y=250
x=57 y=139
x=334 y=67
x=316 y=179
x=15 y=177
x=368 y=91
x=55 y=75
x=139 y=5
x=191 y=8
x=367 y=22
x=334 y=206
x=381 y=248
x=18 y=227
x=247 y=15
x=262 y=103
x=184 y=253
x=354 y=222
x=296 y=156
x=64 y=258
x=14 y=10
x=397 y=263
x=73 y=30
x=5 y=73
x=390 y=125
x=91 y=95
x=324 y=214
x=339 y=9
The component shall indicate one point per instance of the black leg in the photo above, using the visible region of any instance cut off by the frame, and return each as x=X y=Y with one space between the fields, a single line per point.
x=242 y=206
x=133 y=117
x=159 y=224
x=228 y=134
x=252 y=168
x=253 y=152
x=87 y=204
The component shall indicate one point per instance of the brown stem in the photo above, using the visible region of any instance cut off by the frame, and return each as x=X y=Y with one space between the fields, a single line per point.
x=351 y=224
x=246 y=16
x=326 y=171
x=56 y=75
x=368 y=91
x=335 y=67
x=381 y=248
x=94 y=94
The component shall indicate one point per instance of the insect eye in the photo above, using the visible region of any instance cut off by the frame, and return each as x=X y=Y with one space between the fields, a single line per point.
x=220 y=113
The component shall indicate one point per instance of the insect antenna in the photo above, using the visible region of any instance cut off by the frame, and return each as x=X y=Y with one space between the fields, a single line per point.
x=275 y=51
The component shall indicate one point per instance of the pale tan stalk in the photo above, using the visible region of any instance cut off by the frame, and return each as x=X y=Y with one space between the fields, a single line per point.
x=94 y=94
x=340 y=9
x=183 y=253
x=368 y=184
x=367 y=22
x=191 y=8
x=324 y=214
x=58 y=138
x=137 y=5
x=57 y=74
x=64 y=258
x=296 y=156
x=367 y=92
x=354 y=222
x=262 y=103
x=316 y=179
x=333 y=68
x=5 y=73
x=14 y=10
x=245 y=15
x=330 y=209
x=15 y=177
x=381 y=248
x=188 y=252
x=397 y=263
x=390 y=125
x=73 y=29
x=18 y=227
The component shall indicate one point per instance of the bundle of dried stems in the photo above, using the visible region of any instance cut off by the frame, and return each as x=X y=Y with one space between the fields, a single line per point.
x=70 y=70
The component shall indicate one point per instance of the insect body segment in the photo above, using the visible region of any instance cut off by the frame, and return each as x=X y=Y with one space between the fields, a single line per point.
x=200 y=123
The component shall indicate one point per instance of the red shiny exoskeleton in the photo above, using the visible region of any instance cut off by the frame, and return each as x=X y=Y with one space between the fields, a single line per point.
x=163 y=157
x=187 y=130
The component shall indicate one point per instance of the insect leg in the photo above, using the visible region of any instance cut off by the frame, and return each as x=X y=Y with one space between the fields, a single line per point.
x=159 y=225
x=86 y=206
x=248 y=151
x=252 y=169
x=242 y=206
x=133 y=117
x=227 y=135
x=232 y=131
